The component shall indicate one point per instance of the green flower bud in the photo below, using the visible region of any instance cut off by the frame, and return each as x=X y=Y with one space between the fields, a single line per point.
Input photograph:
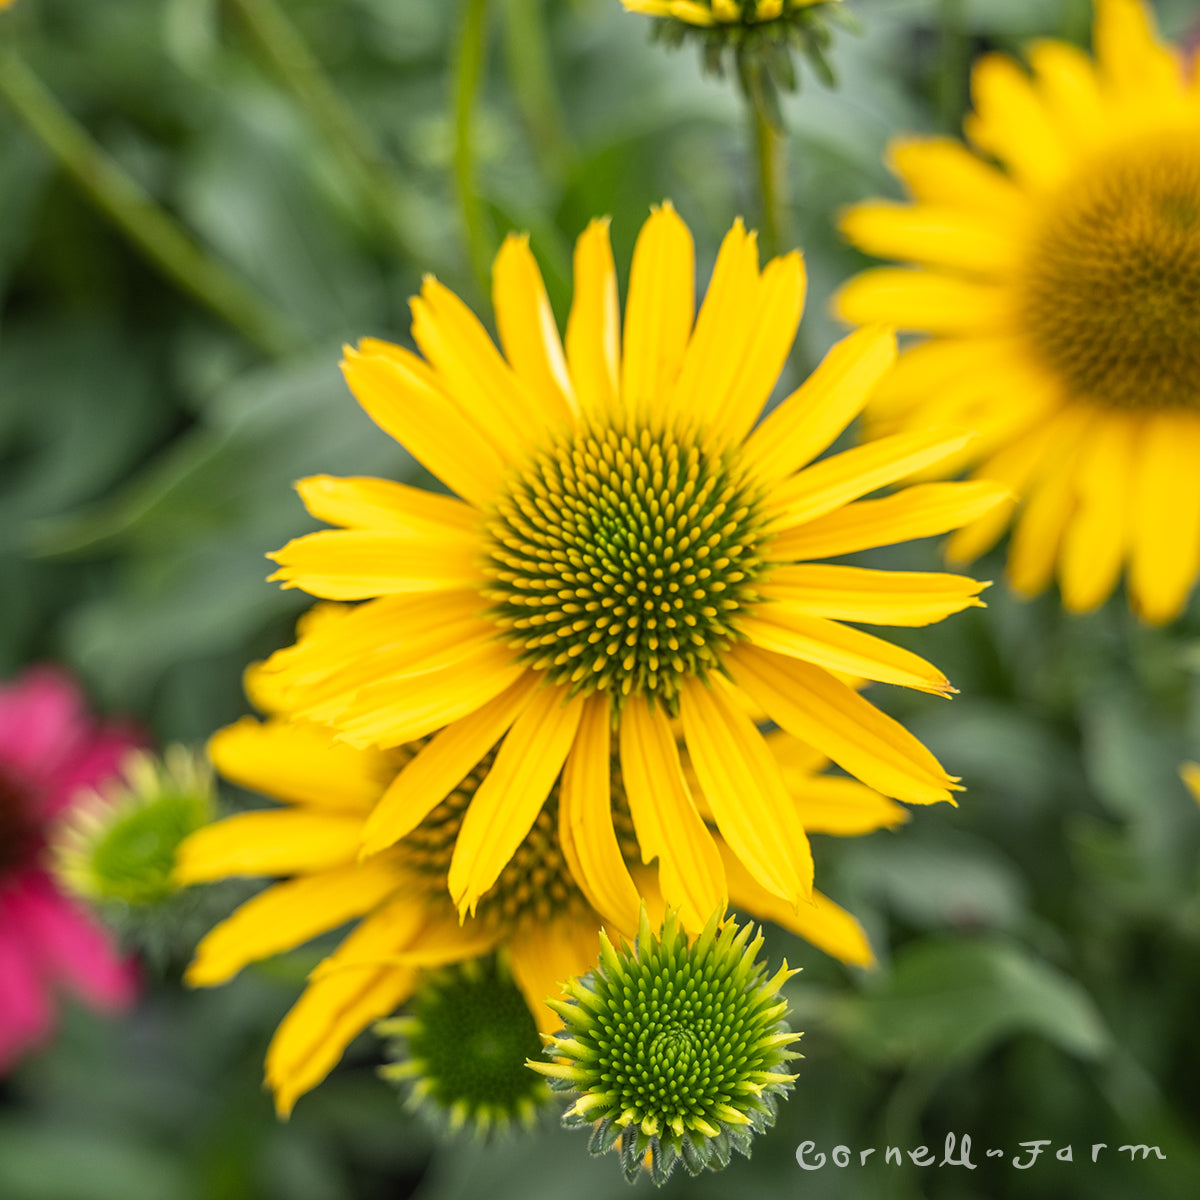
x=676 y=1050
x=462 y=1050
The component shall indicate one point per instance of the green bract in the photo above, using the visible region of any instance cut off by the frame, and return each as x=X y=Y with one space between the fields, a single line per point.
x=463 y=1049
x=675 y=1050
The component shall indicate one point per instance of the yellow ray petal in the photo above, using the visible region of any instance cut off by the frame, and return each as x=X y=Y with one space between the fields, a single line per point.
x=658 y=310
x=832 y=482
x=1066 y=78
x=845 y=807
x=287 y=915
x=744 y=787
x=812 y=705
x=443 y=940
x=442 y=764
x=365 y=503
x=401 y=395
x=471 y=369
x=922 y=302
x=409 y=707
x=544 y=956
x=923 y=510
x=299 y=763
x=873 y=597
x=1010 y=121
x=525 y=323
x=777 y=626
x=509 y=799
x=935 y=236
x=821 y=922
x=337 y=1007
x=1166 y=517
x=665 y=818
x=943 y=171
x=1132 y=60
x=278 y=842
x=809 y=420
x=797 y=760
x=1096 y=538
x=723 y=330
x=594 y=326
x=358 y=564
x=585 y=821
x=778 y=305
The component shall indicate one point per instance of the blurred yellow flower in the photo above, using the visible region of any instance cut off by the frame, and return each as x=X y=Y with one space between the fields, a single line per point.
x=719 y=12
x=1061 y=296
x=629 y=549
x=535 y=913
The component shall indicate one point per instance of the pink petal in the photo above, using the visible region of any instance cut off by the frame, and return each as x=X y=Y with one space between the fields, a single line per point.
x=26 y=1011
x=70 y=946
x=41 y=719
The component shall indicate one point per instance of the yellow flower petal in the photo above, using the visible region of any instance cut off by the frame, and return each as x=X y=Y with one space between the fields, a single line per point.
x=585 y=821
x=442 y=764
x=1131 y=59
x=544 y=956
x=1070 y=89
x=922 y=301
x=779 y=627
x=594 y=326
x=401 y=395
x=745 y=790
x=665 y=818
x=873 y=597
x=509 y=799
x=298 y=763
x=525 y=323
x=278 y=842
x=658 y=310
x=809 y=420
x=812 y=705
x=845 y=807
x=923 y=510
x=365 y=503
x=821 y=922
x=944 y=172
x=287 y=915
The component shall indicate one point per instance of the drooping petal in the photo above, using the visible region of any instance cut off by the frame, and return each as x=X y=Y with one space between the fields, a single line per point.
x=665 y=818
x=845 y=807
x=442 y=764
x=508 y=801
x=585 y=821
x=279 y=842
x=289 y=914
x=745 y=790
x=298 y=763
x=543 y=956
x=812 y=705
x=26 y=1011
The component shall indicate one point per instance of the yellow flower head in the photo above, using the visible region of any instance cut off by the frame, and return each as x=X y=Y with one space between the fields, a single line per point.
x=626 y=549
x=707 y=13
x=535 y=912
x=1061 y=296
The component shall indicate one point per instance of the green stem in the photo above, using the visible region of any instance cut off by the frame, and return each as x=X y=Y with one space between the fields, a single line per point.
x=157 y=235
x=527 y=50
x=282 y=44
x=468 y=75
x=771 y=150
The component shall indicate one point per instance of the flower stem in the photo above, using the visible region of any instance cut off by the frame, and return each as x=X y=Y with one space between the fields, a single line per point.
x=391 y=203
x=156 y=234
x=529 y=67
x=468 y=75
x=771 y=150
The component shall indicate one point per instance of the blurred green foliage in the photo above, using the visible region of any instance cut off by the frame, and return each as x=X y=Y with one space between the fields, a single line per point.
x=1040 y=943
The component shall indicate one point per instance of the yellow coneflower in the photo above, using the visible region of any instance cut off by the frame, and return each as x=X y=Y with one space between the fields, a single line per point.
x=1061 y=293
x=626 y=547
x=705 y=13
x=534 y=913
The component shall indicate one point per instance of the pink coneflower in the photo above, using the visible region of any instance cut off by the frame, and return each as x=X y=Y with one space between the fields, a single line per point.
x=50 y=747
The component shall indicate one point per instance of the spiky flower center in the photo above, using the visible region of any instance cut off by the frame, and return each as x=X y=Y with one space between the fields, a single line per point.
x=537 y=883
x=465 y=1044
x=19 y=836
x=621 y=556
x=1111 y=295
x=678 y=1045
